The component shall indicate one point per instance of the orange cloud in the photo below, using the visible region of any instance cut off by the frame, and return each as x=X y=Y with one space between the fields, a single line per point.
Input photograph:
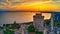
x=36 y=6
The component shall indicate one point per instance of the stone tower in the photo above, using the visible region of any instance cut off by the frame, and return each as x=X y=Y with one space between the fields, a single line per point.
x=38 y=22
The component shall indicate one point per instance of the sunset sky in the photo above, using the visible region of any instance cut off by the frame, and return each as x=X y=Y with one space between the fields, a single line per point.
x=32 y=5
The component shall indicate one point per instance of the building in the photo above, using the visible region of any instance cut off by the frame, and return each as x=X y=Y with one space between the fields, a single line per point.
x=57 y=16
x=24 y=27
x=38 y=22
x=52 y=24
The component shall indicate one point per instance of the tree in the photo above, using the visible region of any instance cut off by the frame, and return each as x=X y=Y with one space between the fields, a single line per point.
x=31 y=28
x=37 y=32
x=1 y=28
x=57 y=23
x=47 y=21
x=7 y=31
x=14 y=26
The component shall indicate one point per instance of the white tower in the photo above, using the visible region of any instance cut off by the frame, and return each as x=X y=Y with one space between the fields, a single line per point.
x=38 y=22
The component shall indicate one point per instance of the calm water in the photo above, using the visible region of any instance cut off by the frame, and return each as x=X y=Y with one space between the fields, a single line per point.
x=19 y=17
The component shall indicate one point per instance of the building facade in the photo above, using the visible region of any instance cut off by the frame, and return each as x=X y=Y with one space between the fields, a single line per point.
x=57 y=16
x=38 y=22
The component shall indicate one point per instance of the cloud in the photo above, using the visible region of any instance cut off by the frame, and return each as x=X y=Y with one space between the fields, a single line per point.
x=4 y=4
x=37 y=6
x=7 y=4
x=2 y=0
x=14 y=2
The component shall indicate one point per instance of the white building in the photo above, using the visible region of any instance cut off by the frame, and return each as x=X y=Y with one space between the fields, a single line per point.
x=38 y=22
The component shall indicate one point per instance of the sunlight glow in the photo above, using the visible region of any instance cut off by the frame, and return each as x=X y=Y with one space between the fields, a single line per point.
x=34 y=6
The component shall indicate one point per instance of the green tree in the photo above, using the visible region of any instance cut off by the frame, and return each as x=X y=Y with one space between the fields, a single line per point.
x=57 y=23
x=7 y=31
x=37 y=32
x=47 y=21
x=14 y=26
x=31 y=28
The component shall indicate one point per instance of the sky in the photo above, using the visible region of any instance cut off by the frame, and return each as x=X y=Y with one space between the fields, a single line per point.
x=30 y=5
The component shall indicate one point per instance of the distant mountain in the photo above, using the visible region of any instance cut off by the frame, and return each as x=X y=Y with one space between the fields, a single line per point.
x=4 y=10
x=1 y=10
